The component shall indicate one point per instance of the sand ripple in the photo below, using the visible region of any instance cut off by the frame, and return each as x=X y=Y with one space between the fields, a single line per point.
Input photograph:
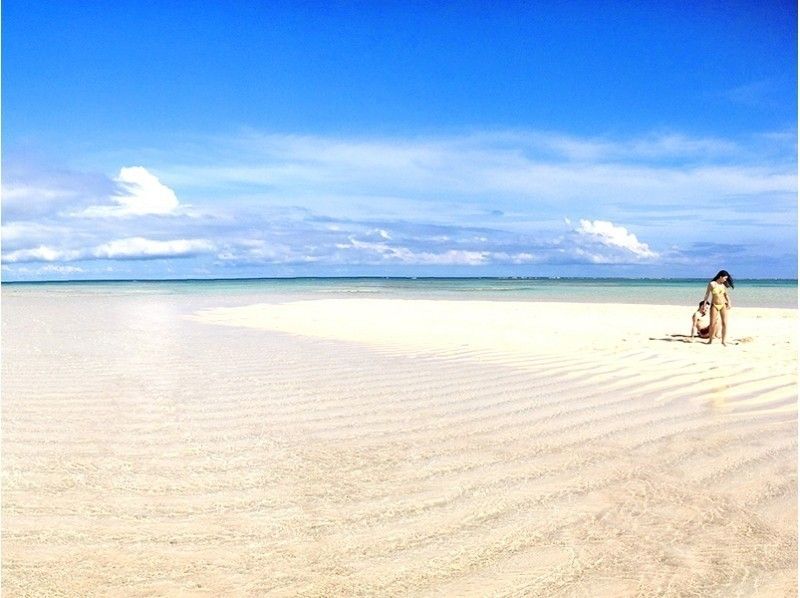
x=147 y=452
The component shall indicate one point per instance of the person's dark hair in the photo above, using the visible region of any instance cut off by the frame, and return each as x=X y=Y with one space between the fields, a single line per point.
x=729 y=282
x=702 y=303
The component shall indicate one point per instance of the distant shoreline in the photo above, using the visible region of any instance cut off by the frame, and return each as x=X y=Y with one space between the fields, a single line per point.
x=766 y=293
x=390 y=278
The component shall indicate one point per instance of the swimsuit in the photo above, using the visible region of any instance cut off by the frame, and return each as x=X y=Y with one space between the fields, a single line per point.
x=716 y=292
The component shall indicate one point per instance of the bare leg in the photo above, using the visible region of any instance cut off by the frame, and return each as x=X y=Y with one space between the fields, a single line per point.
x=724 y=316
x=712 y=326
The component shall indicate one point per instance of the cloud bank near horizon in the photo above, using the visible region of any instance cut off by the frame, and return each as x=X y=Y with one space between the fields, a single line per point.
x=256 y=202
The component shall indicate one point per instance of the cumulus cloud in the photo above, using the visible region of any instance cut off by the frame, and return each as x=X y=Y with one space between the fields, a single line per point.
x=609 y=234
x=141 y=248
x=124 y=249
x=140 y=194
x=42 y=253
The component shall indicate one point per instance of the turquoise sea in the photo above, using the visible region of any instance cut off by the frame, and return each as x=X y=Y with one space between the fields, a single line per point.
x=747 y=293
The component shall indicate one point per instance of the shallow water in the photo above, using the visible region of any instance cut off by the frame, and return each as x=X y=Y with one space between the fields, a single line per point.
x=748 y=293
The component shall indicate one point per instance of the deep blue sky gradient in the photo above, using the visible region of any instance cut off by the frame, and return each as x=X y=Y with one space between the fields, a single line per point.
x=72 y=68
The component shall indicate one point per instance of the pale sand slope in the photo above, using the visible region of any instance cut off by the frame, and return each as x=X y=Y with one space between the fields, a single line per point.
x=390 y=447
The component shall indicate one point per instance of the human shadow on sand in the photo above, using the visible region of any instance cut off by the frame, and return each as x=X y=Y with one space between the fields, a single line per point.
x=685 y=338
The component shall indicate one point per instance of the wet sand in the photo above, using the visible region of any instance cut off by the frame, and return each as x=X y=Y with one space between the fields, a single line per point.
x=164 y=445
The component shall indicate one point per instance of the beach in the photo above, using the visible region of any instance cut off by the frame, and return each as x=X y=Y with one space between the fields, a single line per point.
x=379 y=446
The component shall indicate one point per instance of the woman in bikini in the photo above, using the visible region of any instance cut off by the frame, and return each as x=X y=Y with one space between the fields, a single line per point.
x=717 y=289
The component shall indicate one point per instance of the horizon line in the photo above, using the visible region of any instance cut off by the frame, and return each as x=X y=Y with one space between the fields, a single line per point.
x=374 y=277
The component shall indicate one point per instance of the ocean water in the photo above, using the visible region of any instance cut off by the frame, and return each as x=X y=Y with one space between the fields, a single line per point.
x=748 y=293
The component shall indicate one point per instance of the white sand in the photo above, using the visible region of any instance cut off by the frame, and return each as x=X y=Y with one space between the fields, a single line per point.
x=518 y=331
x=388 y=447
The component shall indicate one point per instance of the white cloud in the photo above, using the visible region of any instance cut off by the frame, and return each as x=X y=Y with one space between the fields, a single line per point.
x=139 y=247
x=128 y=248
x=522 y=257
x=259 y=251
x=141 y=194
x=42 y=253
x=611 y=235
x=448 y=257
x=403 y=255
x=451 y=257
x=477 y=199
x=593 y=258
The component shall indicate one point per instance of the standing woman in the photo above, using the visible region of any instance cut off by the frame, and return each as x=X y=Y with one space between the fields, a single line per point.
x=720 y=303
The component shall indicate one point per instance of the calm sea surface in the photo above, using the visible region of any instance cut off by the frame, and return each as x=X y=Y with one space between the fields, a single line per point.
x=748 y=293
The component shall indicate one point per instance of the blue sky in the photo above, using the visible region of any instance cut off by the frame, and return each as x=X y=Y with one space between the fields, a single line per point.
x=224 y=139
